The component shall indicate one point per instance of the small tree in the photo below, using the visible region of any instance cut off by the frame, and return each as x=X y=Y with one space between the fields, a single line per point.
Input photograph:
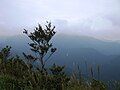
x=4 y=54
x=59 y=78
x=40 y=44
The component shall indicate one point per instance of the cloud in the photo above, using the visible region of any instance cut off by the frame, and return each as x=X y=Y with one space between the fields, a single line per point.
x=98 y=18
x=115 y=19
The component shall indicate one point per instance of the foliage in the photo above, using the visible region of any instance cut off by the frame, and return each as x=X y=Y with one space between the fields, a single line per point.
x=59 y=77
x=4 y=54
x=19 y=74
x=40 y=44
x=98 y=84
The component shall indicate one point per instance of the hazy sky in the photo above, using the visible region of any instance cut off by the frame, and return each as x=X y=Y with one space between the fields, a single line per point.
x=98 y=18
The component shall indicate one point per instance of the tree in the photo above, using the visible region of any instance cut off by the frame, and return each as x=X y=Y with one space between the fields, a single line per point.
x=41 y=44
x=59 y=78
x=4 y=54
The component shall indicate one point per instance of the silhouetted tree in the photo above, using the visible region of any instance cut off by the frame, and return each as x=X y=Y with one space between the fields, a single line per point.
x=41 y=44
x=5 y=53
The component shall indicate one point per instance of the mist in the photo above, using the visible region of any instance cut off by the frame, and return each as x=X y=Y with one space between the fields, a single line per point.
x=95 y=18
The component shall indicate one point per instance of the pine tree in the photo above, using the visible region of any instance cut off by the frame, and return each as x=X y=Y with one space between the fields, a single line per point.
x=41 y=45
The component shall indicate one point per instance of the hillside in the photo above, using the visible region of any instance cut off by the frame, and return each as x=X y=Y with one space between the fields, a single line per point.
x=76 y=49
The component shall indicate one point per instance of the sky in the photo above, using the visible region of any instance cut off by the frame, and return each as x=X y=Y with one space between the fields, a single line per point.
x=96 y=18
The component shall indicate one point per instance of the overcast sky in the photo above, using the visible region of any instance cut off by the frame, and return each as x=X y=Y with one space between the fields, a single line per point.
x=97 y=18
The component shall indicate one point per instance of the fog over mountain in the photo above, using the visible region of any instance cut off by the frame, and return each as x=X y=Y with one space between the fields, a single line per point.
x=96 y=18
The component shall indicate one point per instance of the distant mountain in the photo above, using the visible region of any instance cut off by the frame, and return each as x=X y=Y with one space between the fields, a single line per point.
x=71 y=41
x=112 y=69
x=75 y=50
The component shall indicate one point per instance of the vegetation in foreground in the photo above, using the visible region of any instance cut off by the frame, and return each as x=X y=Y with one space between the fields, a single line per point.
x=19 y=74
